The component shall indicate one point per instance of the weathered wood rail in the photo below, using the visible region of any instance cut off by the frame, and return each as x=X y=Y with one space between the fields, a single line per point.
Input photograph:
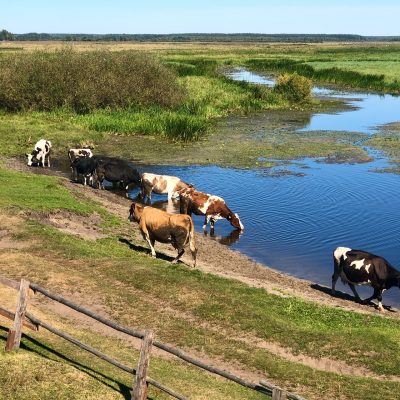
x=22 y=317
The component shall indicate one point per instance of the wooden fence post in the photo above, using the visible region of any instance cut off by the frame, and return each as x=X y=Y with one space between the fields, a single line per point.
x=14 y=334
x=140 y=388
x=278 y=394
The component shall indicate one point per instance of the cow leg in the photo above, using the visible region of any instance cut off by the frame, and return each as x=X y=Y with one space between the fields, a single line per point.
x=153 y=251
x=336 y=274
x=376 y=295
x=353 y=289
x=206 y=221
x=212 y=224
x=148 y=239
x=151 y=242
x=379 y=297
x=180 y=254
x=335 y=277
x=48 y=160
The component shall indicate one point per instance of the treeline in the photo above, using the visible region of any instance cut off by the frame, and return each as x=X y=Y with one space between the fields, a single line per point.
x=195 y=37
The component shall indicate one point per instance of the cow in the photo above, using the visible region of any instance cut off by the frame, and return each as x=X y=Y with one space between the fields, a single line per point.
x=86 y=167
x=116 y=171
x=73 y=154
x=161 y=184
x=157 y=225
x=358 y=267
x=212 y=207
x=39 y=153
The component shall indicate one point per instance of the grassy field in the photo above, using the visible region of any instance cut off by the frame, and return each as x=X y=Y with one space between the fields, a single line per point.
x=221 y=319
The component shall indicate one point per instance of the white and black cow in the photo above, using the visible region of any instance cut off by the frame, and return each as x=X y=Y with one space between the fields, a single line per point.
x=357 y=267
x=39 y=153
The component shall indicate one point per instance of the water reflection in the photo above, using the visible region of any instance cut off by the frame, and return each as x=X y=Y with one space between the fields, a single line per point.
x=228 y=240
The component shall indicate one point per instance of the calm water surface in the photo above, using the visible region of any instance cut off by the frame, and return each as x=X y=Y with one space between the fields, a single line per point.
x=367 y=113
x=293 y=223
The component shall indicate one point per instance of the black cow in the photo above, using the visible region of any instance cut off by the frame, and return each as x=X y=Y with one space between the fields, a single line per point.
x=357 y=267
x=84 y=166
x=116 y=171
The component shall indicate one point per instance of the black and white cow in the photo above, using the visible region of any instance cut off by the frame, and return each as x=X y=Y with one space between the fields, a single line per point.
x=39 y=153
x=357 y=267
x=86 y=167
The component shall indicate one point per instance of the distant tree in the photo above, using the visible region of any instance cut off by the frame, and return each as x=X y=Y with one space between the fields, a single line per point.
x=5 y=35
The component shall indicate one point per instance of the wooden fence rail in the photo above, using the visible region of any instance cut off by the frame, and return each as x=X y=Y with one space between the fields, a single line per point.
x=142 y=380
x=101 y=355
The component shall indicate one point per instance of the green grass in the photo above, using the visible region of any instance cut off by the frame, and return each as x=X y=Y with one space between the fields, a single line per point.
x=45 y=193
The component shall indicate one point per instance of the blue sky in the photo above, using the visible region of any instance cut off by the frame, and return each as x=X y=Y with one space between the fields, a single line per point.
x=365 y=17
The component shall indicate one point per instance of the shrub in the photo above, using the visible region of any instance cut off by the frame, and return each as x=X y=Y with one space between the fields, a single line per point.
x=85 y=81
x=295 y=88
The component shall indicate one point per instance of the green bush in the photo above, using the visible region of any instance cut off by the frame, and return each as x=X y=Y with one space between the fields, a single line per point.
x=85 y=81
x=295 y=88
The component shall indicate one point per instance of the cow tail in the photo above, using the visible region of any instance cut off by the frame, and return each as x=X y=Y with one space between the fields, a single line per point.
x=192 y=242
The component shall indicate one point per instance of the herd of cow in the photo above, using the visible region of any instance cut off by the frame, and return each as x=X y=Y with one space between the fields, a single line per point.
x=354 y=267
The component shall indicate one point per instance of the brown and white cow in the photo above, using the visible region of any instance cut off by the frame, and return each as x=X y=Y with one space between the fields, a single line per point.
x=358 y=267
x=157 y=225
x=161 y=184
x=212 y=207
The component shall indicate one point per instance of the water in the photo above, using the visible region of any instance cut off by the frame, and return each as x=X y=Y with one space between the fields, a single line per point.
x=366 y=111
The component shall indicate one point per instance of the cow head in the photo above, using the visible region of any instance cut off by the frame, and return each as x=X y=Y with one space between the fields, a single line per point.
x=135 y=212
x=31 y=159
x=235 y=221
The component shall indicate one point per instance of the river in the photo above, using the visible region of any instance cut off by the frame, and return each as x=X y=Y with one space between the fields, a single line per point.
x=293 y=223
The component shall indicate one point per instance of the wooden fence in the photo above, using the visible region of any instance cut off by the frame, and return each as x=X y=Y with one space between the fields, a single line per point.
x=23 y=318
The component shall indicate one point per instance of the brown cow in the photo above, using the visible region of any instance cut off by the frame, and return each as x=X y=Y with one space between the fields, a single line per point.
x=212 y=207
x=160 y=226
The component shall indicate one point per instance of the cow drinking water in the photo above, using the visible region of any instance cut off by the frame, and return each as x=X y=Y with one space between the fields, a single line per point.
x=357 y=267
x=212 y=207
x=157 y=225
x=39 y=153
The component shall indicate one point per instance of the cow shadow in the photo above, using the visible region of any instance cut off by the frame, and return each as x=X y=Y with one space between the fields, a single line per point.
x=33 y=345
x=345 y=296
x=146 y=250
